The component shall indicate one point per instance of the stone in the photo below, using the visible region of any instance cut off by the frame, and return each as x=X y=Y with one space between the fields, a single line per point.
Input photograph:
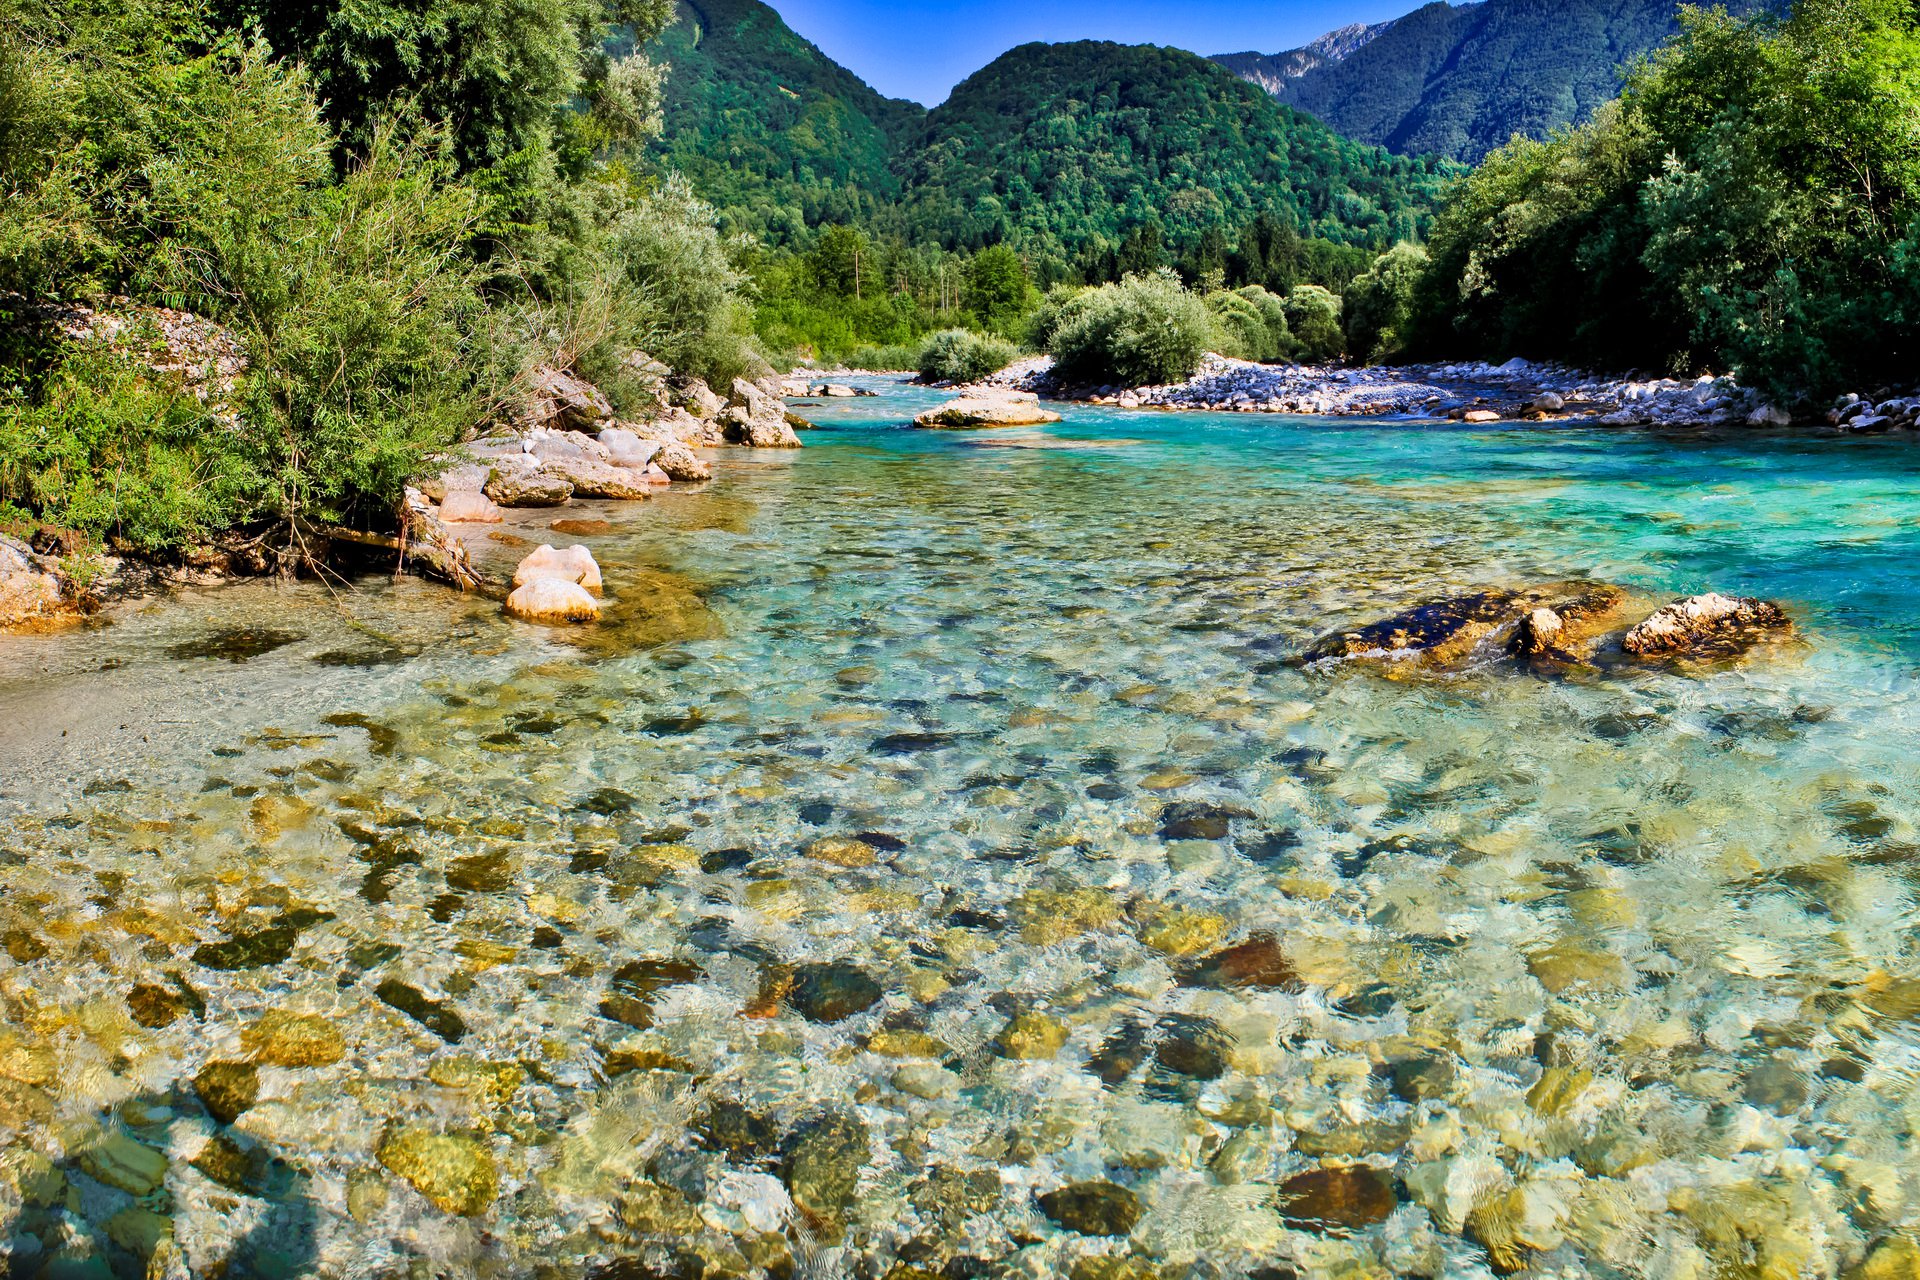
x=1709 y=625
x=227 y=1089
x=1259 y=963
x=986 y=407
x=1894 y=1257
x=1768 y=415
x=566 y=398
x=926 y=1080
x=1538 y=634
x=575 y=564
x=140 y=1232
x=437 y=1016
x=1548 y=402
x=1031 y=1037
x=455 y=1171
x=582 y=528
x=156 y=1006
x=1480 y=416
x=755 y=418
x=625 y=448
x=29 y=587
x=119 y=1161
x=552 y=600
x=470 y=506
x=600 y=479
x=1347 y=1198
x=1776 y=1086
x=842 y=851
x=1092 y=1208
x=1193 y=1047
x=630 y=992
x=823 y=1160
x=527 y=488
x=283 y=1039
x=1449 y=630
x=680 y=463
x=698 y=399
x=831 y=992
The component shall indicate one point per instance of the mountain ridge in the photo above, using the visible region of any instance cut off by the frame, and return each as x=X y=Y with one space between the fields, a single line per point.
x=1460 y=80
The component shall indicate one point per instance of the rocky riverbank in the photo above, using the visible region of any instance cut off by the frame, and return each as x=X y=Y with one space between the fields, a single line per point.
x=562 y=440
x=1475 y=392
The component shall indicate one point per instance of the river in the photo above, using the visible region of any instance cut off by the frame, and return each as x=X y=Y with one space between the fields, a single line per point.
x=934 y=865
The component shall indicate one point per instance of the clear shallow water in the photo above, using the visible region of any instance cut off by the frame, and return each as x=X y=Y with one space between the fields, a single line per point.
x=936 y=824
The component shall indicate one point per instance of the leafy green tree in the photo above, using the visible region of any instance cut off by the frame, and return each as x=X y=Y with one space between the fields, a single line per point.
x=998 y=289
x=1145 y=330
x=1313 y=317
x=1378 y=307
x=1250 y=324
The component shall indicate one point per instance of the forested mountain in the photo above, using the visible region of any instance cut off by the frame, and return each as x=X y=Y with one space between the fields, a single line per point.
x=1458 y=81
x=774 y=132
x=1052 y=146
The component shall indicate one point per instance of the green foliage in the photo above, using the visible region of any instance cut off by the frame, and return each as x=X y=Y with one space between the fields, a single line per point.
x=384 y=292
x=115 y=453
x=1313 y=316
x=778 y=136
x=1378 y=306
x=998 y=290
x=1055 y=147
x=1461 y=80
x=955 y=355
x=1146 y=330
x=1751 y=203
x=885 y=359
x=1250 y=324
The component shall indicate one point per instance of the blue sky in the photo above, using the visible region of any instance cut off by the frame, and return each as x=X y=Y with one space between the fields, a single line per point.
x=920 y=49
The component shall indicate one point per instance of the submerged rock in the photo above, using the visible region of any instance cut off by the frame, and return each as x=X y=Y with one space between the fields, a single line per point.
x=755 y=418
x=283 y=1039
x=454 y=1170
x=831 y=992
x=824 y=1158
x=1345 y=1198
x=680 y=462
x=1707 y=626
x=228 y=1089
x=1093 y=1208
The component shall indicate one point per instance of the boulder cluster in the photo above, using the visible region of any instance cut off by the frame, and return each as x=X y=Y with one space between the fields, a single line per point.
x=1472 y=392
x=569 y=444
x=1559 y=623
x=556 y=586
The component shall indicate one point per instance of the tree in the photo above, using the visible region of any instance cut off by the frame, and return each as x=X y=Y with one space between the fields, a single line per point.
x=1145 y=330
x=998 y=289
x=1378 y=307
x=1313 y=316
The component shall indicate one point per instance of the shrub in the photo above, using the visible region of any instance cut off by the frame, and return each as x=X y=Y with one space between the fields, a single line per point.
x=955 y=355
x=888 y=359
x=1250 y=324
x=1146 y=330
x=1379 y=305
x=1313 y=313
x=114 y=453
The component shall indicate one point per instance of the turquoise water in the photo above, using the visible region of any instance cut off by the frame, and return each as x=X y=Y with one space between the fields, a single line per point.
x=936 y=825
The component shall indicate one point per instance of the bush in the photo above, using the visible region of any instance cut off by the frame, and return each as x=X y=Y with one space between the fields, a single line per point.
x=1146 y=330
x=1313 y=313
x=112 y=452
x=955 y=355
x=1250 y=324
x=888 y=359
x=1379 y=305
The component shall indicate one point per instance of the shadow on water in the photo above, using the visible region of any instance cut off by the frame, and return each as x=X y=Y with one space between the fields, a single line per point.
x=108 y=1212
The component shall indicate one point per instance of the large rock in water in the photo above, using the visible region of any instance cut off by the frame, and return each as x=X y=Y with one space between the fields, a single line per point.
x=1707 y=626
x=626 y=449
x=988 y=407
x=1450 y=630
x=755 y=418
x=470 y=506
x=681 y=463
x=576 y=565
x=553 y=600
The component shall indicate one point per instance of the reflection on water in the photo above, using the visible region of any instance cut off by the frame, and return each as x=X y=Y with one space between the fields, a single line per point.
x=934 y=867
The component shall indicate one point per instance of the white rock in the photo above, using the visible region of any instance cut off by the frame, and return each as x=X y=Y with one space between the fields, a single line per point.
x=575 y=565
x=553 y=600
x=470 y=506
